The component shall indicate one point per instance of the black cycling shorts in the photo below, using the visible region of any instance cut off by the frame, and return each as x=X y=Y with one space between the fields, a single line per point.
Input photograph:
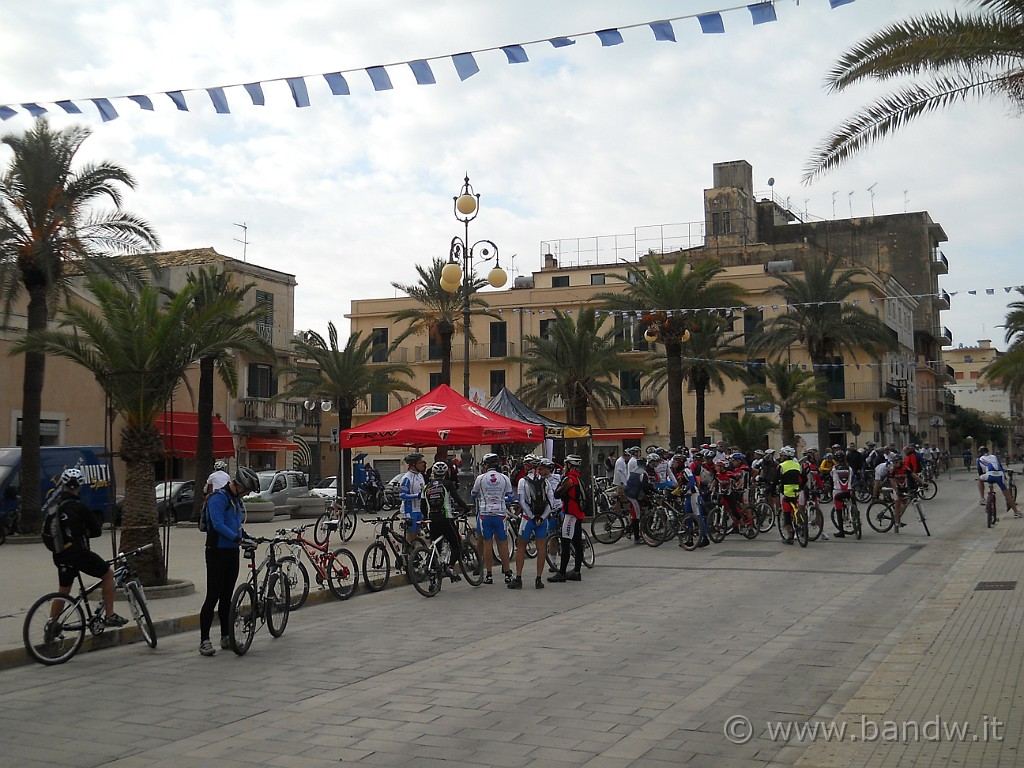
x=70 y=563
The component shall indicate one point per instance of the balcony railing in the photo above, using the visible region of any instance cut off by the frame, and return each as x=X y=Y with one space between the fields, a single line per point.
x=939 y=262
x=269 y=413
x=863 y=390
x=479 y=351
x=942 y=299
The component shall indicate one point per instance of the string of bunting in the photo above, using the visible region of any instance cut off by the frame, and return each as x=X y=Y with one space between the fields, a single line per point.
x=728 y=311
x=465 y=65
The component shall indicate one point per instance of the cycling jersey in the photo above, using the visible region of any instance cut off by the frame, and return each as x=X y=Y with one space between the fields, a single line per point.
x=411 y=493
x=490 y=492
x=791 y=478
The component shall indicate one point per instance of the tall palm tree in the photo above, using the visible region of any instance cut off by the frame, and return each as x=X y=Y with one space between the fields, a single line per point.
x=1008 y=368
x=49 y=231
x=239 y=334
x=138 y=346
x=747 y=433
x=820 y=318
x=576 y=361
x=439 y=314
x=660 y=294
x=793 y=391
x=960 y=56
x=344 y=375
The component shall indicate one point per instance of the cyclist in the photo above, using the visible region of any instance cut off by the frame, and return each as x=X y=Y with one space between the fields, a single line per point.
x=224 y=535
x=792 y=478
x=411 y=494
x=619 y=476
x=768 y=476
x=901 y=479
x=842 y=488
x=570 y=492
x=993 y=473
x=536 y=501
x=218 y=478
x=638 y=487
x=439 y=499
x=78 y=525
x=491 y=490
x=688 y=486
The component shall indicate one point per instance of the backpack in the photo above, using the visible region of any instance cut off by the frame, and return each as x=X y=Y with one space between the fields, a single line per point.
x=204 y=516
x=53 y=533
x=539 y=500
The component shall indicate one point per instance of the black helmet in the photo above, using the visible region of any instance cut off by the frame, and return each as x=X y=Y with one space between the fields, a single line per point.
x=248 y=479
x=414 y=458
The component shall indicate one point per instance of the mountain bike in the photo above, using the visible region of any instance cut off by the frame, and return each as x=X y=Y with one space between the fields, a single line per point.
x=429 y=563
x=725 y=514
x=55 y=625
x=336 y=570
x=389 y=547
x=1010 y=483
x=259 y=601
x=990 y=506
x=553 y=551
x=799 y=524
x=882 y=518
x=344 y=517
x=610 y=525
x=846 y=516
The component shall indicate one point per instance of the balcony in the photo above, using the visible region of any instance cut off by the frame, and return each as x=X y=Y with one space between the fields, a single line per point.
x=261 y=413
x=941 y=300
x=639 y=398
x=480 y=351
x=864 y=391
x=944 y=335
x=940 y=264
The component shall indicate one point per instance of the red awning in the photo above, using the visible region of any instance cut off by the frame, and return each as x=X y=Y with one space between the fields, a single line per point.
x=181 y=430
x=258 y=443
x=618 y=434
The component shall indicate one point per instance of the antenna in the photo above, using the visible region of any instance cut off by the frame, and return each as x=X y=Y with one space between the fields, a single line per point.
x=871 y=191
x=906 y=199
x=245 y=238
x=849 y=199
x=834 y=203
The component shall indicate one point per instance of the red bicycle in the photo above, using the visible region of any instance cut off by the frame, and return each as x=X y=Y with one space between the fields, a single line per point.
x=336 y=570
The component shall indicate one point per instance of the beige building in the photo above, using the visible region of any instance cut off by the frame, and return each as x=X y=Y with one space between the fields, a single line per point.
x=257 y=430
x=971 y=390
x=892 y=397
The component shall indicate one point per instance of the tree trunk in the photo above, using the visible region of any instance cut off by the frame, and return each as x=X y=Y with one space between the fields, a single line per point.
x=788 y=433
x=204 y=440
x=674 y=376
x=31 y=409
x=139 y=449
x=823 y=418
x=446 y=331
x=700 y=418
x=344 y=481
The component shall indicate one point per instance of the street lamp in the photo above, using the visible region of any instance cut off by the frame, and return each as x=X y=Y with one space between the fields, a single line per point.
x=316 y=405
x=467 y=205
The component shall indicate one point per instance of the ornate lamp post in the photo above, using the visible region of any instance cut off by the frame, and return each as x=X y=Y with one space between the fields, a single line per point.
x=316 y=406
x=454 y=274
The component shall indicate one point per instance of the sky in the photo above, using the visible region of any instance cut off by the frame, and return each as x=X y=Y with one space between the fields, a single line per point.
x=581 y=143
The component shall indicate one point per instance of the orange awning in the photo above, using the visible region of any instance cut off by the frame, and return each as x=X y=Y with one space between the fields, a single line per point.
x=617 y=434
x=259 y=443
x=181 y=433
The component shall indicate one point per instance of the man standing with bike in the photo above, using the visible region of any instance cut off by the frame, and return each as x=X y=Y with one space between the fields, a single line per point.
x=490 y=492
x=78 y=524
x=439 y=499
x=536 y=501
x=791 y=477
x=224 y=535
x=570 y=492
x=903 y=480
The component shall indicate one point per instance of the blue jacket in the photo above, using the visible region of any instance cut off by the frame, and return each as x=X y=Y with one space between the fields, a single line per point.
x=226 y=513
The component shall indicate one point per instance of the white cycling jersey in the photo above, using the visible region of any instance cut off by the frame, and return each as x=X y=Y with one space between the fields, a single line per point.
x=490 y=491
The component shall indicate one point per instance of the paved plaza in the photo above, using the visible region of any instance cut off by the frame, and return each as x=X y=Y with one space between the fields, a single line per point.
x=659 y=657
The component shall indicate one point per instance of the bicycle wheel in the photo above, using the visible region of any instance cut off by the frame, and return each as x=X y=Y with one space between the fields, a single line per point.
x=298 y=581
x=342 y=574
x=718 y=524
x=801 y=528
x=277 y=603
x=424 y=569
x=815 y=521
x=531 y=548
x=652 y=527
x=920 y=514
x=321 y=531
x=347 y=525
x=589 y=556
x=689 y=532
x=54 y=640
x=140 y=612
x=863 y=492
x=553 y=553
x=765 y=516
x=842 y=522
x=607 y=527
x=748 y=522
x=782 y=523
x=376 y=567
x=855 y=517
x=928 y=490
x=1013 y=490
x=243 y=618
x=470 y=565
x=879 y=516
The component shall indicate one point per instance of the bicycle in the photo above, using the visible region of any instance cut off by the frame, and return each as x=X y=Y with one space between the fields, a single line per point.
x=388 y=545
x=553 y=551
x=881 y=514
x=723 y=515
x=429 y=564
x=800 y=526
x=610 y=524
x=345 y=520
x=1010 y=483
x=337 y=570
x=990 y=505
x=259 y=601
x=850 y=514
x=55 y=625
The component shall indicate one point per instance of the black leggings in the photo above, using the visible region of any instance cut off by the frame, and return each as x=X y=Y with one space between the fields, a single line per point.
x=443 y=527
x=575 y=542
x=221 y=575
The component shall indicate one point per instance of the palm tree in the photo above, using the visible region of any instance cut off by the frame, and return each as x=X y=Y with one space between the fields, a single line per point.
x=1008 y=368
x=213 y=287
x=660 y=294
x=439 y=314
x=961 y=56
x=344 y=375
x=820 y=318
x=793 y=391
x=49 y=231
x=747 y=433
x=138 y=346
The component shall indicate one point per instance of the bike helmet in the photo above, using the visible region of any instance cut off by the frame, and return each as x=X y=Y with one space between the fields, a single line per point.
x=490 y=460
x=414 y=458
x=633 y=450
x=641 y=461
x=787 y=452
x=531 y=460
x=248 y=479
x=573 y=460
x=709 y=453
x=769 y=453
x=72 y=477
x=439 y=470
x=220 y=466
x=548 y=464
x=738 y=457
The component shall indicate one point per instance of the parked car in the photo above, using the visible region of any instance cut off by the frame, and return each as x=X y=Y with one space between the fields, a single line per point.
x=280 y=487
x=326 y=489
x=174 y=495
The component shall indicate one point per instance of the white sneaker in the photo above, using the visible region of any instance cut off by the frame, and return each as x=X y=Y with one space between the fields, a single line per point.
x=981 y=502
x=1018 y=514
x=824 y=536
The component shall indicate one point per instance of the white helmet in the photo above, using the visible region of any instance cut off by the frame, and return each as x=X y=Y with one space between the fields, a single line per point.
x=72 y=477
x=439 y=470
x=220 y=466
x=787 y=452
x=574 y=460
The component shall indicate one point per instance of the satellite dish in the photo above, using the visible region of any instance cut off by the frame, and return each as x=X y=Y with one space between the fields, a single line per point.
x=771 y=181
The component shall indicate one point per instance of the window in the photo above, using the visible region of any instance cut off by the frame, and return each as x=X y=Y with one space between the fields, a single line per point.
x=262 y=381
x=756 y=369
x=435 y=380
x=433 y=347
x=265 y=324
x=559 y=281
x=49 y=431
x=497 y=382
x=499 y=339
x=751 y=321
x=975 y=374
x=835 y=378
x=597 y=278
x=379 y=402
x=629 y=383
x=380 y=345
x=959 y=374
x=721 y=223
x=544 y=326
x=629 y=329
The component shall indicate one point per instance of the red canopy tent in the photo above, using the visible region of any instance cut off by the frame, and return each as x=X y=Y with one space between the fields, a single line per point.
x=181 y=434
x=441 y=417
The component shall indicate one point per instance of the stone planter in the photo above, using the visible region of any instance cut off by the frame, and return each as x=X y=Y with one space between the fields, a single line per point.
x=307 y=507
x=259 y=512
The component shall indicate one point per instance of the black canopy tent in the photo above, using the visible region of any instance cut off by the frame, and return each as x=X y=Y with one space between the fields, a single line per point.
x=507 y=404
